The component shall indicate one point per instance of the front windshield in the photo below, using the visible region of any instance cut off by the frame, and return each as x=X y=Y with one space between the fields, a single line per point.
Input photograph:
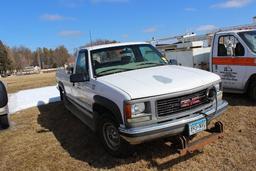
x=249 y=37
x=125 y=58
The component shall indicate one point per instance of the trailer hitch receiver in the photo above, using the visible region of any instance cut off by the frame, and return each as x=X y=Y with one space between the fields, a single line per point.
x=184 y=147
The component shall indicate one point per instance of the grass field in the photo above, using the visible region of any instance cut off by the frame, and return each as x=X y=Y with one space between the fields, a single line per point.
x=51 y=138
x=17 y=83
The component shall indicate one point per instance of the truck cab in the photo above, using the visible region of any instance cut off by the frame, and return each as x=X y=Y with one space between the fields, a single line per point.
x=233 y=58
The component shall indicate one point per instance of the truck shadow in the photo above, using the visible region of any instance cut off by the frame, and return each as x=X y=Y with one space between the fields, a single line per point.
x=238 y=100
x=82 y=144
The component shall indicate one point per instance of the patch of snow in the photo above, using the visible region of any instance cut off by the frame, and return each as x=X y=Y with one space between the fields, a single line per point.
x=31 y=98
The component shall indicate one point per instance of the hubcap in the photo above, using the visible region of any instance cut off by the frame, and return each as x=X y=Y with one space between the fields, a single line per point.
x=111 y=136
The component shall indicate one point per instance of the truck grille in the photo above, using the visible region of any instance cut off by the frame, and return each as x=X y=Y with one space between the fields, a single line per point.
x=175 y=105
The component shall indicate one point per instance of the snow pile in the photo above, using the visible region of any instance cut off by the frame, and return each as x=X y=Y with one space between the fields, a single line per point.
x=31 y=98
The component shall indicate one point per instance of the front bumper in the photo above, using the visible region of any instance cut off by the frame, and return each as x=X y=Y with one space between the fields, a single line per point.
x=4 y=110
x=171 y=128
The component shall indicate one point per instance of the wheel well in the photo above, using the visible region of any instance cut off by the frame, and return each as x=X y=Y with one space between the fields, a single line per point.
x=104 y=112
x=250 y=80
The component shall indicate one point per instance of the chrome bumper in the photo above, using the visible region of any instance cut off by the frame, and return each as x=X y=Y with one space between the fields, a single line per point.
x=171 y=128
x=4 y=110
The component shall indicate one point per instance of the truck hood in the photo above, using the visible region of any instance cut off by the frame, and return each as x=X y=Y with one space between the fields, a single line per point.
x=161 y=80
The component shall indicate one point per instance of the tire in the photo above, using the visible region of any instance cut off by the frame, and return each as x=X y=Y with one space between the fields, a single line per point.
x=252 y=90
x=113 y=143
x=4 y=121
x=3 y=95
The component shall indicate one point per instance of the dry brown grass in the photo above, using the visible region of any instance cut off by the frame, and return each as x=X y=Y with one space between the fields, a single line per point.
x=51 y=138
x=17 y=83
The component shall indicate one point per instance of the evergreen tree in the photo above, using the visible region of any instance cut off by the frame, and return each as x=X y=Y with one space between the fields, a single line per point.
x=5 y=63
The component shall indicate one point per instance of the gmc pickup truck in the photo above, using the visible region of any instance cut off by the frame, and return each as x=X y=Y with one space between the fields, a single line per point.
x=128 y=94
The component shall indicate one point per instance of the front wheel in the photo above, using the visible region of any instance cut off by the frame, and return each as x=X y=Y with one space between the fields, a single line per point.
x=111 y=139
x=252 y=90
x=4 y=121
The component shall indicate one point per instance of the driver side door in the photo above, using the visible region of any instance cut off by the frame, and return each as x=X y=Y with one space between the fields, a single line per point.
x=227 y=61
x=82 y=91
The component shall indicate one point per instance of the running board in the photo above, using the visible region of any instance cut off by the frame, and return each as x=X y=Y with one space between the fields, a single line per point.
x=80 y=114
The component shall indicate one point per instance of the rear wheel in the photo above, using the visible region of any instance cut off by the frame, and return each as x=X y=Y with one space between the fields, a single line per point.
x=252 y=90
x=111 y=139
x=4 y=121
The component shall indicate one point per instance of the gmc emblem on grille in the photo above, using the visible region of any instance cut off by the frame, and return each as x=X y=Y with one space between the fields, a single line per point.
x=190 y=102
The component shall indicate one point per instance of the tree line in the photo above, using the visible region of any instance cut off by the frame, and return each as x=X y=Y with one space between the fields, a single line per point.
x=18 y=58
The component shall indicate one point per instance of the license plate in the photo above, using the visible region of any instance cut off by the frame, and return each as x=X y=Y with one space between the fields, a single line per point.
x=197 y=126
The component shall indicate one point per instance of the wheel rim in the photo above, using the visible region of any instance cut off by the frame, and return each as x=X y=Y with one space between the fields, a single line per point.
x=111 y=136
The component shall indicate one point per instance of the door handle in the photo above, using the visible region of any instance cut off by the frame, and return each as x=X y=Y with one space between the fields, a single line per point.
x=78 y=87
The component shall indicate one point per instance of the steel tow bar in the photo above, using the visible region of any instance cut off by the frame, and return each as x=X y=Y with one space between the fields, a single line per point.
x=184 y=147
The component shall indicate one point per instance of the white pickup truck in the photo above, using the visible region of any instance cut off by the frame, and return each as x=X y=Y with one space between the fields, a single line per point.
x=129 y=94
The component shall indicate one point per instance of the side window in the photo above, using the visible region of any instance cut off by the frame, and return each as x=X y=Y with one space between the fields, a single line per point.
x=228 y=45
x=82 y=63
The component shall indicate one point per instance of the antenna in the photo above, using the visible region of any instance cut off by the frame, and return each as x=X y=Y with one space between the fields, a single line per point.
x=91 y=37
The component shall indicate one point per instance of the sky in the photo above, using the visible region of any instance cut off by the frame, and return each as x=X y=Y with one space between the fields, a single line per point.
x=50 y=23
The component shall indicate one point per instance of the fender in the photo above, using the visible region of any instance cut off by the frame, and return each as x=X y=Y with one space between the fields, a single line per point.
x=3 y=95
x=109 y=105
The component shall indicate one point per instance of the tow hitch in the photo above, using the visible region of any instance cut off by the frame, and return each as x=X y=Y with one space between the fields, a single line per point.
x=184 y=147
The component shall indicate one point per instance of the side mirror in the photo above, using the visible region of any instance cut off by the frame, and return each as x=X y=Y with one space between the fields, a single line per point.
x=173 y=62
x=77 y=78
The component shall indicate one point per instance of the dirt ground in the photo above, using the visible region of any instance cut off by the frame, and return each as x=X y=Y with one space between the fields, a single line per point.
x=51 y=138
x=17 y=83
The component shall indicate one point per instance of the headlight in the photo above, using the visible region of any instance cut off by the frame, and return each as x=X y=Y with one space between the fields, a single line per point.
x=218 y=87
x=137 y=108
x=211 y=93
x=137 y=112
x=214 y=91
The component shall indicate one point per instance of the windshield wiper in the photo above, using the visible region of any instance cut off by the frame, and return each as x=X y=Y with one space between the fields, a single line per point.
x=149 y=63
x=113 y=69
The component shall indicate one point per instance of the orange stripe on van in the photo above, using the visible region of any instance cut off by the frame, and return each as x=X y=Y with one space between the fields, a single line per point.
x=243 y=61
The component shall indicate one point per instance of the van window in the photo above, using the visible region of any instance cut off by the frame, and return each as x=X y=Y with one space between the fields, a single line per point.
x=249 y=37
x=229 y=45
